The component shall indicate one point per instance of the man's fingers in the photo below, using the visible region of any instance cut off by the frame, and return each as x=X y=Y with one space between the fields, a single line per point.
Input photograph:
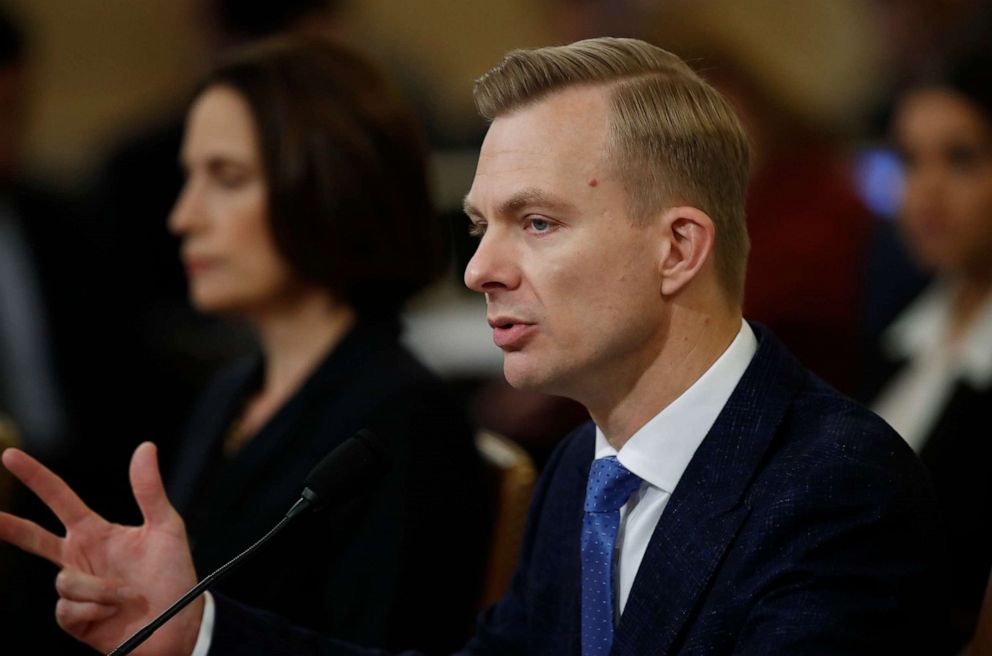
x=51 y=489
x=30 y=537
x=76 y=585
x=76 y=616
x=146 y=482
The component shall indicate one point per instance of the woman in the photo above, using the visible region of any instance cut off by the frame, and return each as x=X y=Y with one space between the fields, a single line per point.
x=938 y=353
x=306 y=213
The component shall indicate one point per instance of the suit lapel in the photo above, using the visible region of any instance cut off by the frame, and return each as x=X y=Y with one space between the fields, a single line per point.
x=706 y=509
x=566 y=621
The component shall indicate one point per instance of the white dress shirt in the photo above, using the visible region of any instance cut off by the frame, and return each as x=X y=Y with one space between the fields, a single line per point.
x=661 y=450
x=206 y=627
x=913 y=401
x=658 y=453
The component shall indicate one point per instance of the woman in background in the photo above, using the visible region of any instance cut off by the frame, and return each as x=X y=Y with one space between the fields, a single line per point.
x=306 y=213
x=936 y=376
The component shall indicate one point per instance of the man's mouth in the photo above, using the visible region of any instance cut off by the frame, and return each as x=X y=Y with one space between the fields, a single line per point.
x=510 y=334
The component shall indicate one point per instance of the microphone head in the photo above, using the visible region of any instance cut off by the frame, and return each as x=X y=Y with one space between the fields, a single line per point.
x=348 y=471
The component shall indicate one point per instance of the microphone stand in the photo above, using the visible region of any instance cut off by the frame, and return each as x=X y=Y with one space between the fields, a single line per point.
x=343 y=473
x=146 y=631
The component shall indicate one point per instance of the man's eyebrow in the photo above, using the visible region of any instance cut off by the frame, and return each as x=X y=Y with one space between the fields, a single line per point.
x=527 y=198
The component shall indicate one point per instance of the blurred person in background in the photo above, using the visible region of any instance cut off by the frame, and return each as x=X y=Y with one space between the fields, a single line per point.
x=56 y=392
x=47 y=262
x=306 y=213
x=911 y=36
x=914 y=35
x=166 y=349
x=933 y=378
x=799 y=73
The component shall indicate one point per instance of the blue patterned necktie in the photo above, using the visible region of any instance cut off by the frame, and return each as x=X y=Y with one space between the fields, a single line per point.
x=610 y=485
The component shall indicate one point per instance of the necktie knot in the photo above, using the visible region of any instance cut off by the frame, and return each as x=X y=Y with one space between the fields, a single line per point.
x=610 y=485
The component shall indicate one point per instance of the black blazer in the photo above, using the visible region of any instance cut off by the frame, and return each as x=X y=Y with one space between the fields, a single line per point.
x=802 y=525
x=397 y=567
x=958 y=454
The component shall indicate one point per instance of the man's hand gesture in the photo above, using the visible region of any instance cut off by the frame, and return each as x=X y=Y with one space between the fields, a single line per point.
x=114 y=579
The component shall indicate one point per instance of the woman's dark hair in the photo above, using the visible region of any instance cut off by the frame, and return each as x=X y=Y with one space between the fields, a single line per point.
x=971 y=76
x=344 y=159
x=968 y=75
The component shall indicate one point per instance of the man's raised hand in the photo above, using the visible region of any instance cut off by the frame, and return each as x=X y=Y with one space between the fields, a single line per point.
x=114 y=579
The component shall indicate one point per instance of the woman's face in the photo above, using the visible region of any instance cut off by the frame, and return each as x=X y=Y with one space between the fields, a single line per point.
x=946 y=143
x=221 y=215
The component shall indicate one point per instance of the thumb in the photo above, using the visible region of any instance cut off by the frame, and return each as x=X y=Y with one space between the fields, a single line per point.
x=146 y=483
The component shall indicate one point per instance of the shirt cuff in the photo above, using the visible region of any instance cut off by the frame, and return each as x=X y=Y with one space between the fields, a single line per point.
x=206 y=627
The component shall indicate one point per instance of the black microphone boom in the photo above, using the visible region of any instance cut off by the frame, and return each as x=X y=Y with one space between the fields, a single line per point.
x=343 y=474
x=347 y=471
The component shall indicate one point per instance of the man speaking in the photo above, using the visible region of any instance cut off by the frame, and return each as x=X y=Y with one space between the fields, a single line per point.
x=723 y=500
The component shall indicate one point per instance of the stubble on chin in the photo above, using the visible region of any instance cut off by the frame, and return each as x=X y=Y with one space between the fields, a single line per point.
x=525 y=374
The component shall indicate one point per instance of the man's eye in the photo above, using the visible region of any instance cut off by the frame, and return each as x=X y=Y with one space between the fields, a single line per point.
x=477 y=229
x=537 y=224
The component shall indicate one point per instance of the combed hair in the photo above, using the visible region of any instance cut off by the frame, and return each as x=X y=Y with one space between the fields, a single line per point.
x=674 y=139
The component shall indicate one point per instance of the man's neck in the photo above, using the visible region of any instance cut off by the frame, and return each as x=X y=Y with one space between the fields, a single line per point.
x=691 y=346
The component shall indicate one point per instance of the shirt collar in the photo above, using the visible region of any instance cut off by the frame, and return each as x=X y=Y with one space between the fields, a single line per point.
x=920 y=327
x=976 y=352
x=923 y=327
x=660 y=451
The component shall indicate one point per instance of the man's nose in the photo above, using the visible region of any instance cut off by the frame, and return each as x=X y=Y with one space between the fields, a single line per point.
x=494 y=265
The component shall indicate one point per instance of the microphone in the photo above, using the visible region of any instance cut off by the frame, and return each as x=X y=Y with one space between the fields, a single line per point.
x=343 y=474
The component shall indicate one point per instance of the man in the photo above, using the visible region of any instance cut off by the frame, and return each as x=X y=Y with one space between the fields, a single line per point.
x=724 y=501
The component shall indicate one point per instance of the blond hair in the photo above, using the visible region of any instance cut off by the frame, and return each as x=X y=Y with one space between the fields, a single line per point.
x=673 y=138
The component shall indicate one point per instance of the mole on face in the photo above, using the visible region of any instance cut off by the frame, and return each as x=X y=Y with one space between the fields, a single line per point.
x=593 y=182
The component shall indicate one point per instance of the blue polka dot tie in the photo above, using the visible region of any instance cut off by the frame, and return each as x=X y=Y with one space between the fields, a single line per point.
x=609 y=487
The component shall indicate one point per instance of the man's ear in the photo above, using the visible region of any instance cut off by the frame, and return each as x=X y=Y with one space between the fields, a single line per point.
x=689 y=236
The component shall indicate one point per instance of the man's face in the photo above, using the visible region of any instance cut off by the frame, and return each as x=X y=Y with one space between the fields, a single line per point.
x=572 y=285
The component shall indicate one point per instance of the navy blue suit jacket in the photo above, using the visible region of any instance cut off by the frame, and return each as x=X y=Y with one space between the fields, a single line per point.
x=803 y=525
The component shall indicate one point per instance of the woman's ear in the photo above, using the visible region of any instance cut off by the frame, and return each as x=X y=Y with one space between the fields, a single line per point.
x=689 y=236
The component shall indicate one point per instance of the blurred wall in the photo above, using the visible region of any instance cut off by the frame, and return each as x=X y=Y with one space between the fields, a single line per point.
x=98 y=66
x=104 y=67
x=452 y=42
